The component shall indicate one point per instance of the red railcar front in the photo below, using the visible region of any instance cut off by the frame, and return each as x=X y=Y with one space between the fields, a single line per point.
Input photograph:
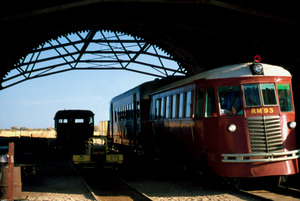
x=240 y=119
x=260 y=138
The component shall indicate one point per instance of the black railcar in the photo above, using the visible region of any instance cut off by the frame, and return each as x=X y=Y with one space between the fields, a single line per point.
x=74 y=128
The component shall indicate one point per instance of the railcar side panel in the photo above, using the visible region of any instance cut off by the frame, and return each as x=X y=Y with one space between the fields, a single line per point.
x=240 y=119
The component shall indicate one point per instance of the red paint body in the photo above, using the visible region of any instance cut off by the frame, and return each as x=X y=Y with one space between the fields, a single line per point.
x=189 y=136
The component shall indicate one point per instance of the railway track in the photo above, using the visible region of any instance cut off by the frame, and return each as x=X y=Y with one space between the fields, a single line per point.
x=58 y=180
x=153 y=184
x=106 y=186
x=278 y=194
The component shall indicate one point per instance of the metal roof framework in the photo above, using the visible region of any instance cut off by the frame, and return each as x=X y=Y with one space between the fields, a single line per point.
x=93 y=50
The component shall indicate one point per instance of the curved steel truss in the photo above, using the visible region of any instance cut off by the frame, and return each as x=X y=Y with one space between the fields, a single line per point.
x=93 y=50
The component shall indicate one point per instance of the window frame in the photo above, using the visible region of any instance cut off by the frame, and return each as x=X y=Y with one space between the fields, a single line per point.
x=201 y=101
x=259 y=92
x=157 y=108
x=188 y=104
x=181 y=107
x=290 y=97
x=214 y=108
x=262 y=94
x=224 y=88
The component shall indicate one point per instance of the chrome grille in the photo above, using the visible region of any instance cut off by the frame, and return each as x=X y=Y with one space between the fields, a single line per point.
x=265 y=134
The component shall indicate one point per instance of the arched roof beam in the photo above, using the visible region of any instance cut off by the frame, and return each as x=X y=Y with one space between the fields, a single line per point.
x=93 y=50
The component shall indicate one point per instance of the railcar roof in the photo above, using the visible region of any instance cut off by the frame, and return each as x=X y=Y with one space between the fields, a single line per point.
x=230 y=71
x=241 y=70
x=146 y=88
x=73 y=114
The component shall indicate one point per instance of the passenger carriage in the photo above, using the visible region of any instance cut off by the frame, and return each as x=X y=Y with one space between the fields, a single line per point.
x=129 y=116
x=238 y=119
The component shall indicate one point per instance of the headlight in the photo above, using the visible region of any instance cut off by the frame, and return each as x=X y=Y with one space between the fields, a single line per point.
x=231 y=128
x=292 y=124
x=258 y=68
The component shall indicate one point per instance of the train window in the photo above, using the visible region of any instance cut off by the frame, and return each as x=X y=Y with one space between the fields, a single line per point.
x=126 y=115
x=188 y=104
x=62 y=121
x=79 y=121
x=285 y=97
x=210 y=110
x=119 y=114
x=132 y=111
x=128 y=111
x=168 y=107
x=162 y=108
x=251 y=93
x=199 y=102
x=122 y=112
x=174 y=106
x=138 y=109
x=181 y=105
x=157 y=108
x=230 y=100
x=268 y=92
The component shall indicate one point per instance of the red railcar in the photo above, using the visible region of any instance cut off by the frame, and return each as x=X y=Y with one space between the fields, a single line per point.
x=239 y=119
x=129 y=117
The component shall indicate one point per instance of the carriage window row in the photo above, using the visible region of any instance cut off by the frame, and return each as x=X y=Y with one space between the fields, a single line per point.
x=229 y=98
x=174 y=106
x=76 y=121
x=181 y=105
x=126 y=112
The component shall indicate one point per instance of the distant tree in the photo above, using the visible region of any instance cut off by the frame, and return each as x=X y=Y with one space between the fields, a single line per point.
x=25 y=129
x=14 y=128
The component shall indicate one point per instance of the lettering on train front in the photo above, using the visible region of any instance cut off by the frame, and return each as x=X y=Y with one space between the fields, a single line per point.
x=262 y=111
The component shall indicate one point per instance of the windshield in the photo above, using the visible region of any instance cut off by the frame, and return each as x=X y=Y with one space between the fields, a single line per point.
x=253 y=98
x=230 y=100
x=251 y=93
x=268 y=92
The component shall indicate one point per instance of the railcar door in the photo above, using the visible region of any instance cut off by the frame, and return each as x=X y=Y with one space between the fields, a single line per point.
x=231 y=121
x=210 y=121
x=198 y=129
x=134 y=118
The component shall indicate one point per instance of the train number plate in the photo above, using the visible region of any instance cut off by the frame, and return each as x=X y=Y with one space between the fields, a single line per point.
x=112 y=158
x=81 y=159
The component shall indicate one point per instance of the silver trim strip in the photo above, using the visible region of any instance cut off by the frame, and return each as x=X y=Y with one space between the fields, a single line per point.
x=261 y=157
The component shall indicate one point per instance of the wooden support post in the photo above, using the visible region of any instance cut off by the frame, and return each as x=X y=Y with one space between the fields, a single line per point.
x=11 y=161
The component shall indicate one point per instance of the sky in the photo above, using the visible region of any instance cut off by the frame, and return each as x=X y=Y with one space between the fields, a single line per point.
x=34 y=103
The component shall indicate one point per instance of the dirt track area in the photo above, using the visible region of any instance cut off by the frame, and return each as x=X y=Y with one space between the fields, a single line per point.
x=55 y=181
x=183 y=191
